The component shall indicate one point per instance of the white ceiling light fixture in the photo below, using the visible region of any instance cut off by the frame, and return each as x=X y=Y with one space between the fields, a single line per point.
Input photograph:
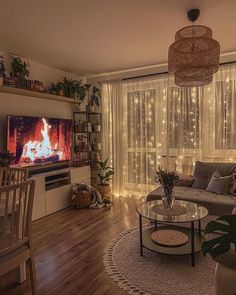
x=194 y=56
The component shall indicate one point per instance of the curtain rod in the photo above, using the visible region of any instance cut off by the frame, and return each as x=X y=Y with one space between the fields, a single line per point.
x=162 y=73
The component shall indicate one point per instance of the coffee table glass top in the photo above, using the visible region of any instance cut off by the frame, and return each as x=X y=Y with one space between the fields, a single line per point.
x=193 y=212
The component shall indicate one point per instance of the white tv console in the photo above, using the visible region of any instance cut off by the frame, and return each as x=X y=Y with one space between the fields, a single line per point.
x=53 y=190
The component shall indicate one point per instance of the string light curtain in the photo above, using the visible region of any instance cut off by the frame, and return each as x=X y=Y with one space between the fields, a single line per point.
x=149 y=122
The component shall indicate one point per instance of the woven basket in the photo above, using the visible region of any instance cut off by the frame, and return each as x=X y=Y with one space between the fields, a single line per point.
x=105 y=191
x=82 y=200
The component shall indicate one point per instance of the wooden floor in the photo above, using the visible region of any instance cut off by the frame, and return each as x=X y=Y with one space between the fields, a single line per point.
x=69 y=248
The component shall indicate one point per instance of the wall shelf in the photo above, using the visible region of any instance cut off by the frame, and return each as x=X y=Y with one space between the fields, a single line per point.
x=25 y=92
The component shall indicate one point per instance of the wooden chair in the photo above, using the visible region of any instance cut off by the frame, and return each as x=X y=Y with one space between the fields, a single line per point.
x=16 y=204
x=10 y=176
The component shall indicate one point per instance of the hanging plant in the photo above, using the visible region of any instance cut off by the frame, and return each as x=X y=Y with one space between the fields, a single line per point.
x=94 y=95
x=20 y=68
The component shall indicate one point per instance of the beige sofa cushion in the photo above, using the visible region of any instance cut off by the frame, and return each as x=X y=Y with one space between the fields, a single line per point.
x=219 y=184
x=203 y=172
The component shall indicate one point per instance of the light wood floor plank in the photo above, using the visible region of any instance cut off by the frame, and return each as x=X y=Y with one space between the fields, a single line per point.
x=69 y=248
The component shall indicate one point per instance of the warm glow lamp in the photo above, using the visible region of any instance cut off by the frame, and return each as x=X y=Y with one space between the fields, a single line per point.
x=194 y=56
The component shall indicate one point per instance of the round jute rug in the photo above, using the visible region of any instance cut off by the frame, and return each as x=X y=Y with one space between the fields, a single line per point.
x=155 y=273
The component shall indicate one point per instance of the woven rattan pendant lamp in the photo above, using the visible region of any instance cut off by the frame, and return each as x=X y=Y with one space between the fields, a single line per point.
x=194 y=56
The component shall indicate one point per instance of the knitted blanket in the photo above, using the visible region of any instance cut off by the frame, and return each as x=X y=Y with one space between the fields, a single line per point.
x=97 y=200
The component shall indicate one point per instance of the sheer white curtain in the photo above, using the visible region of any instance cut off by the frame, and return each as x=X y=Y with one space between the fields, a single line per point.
x=149 y=122
x=145 y=131
x=112 y=135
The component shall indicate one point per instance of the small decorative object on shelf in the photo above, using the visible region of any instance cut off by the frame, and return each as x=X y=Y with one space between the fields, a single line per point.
x=9 y=82
x=96 y=159
x=167 y=179
x=6 y=158
x=104 y=175
x=97 y=146
x=82 y=143
x=97 y=127
x=81 y=126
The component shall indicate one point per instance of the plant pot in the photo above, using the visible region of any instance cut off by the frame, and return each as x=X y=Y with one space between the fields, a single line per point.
x=97 y=128
x=225 y=274
x=105 y=191
x=60 y=92
x=97 y=146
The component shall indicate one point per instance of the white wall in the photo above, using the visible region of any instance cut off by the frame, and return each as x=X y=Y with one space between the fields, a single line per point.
x=148 y=70
x=30 y=106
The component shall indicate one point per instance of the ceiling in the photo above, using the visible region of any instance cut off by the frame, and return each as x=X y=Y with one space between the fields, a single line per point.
x=89 y=37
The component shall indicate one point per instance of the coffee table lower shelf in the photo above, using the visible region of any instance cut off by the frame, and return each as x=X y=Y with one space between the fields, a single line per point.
x=168 y=250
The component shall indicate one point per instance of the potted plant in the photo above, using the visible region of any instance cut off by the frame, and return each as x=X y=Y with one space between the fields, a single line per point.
x=6 y=158
x=52 y=89
x=104 y=175
x=71 y=88
x=59 y=87
x=20 y=70
x=94 y=95
x=222 y=248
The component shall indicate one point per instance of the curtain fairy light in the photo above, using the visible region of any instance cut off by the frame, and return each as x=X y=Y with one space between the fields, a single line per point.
x=149 y=122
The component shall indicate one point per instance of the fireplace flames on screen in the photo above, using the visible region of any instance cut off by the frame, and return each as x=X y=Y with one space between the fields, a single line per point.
x=39 y=140
x=41 y=150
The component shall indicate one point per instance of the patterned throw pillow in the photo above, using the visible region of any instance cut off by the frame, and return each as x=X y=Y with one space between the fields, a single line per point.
x=219 y=184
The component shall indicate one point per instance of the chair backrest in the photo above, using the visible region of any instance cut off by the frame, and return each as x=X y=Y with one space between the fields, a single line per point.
x=16 y=204
x=10 y=176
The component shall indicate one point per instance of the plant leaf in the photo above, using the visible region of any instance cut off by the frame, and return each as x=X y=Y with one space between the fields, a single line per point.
x=226 y=227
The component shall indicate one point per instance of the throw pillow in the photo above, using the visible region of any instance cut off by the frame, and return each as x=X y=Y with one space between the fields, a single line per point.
x=219 y=184
x=203 y=172
x=185 y=180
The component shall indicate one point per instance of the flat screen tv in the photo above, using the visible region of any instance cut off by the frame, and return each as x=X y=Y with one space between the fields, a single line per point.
x=38 y=141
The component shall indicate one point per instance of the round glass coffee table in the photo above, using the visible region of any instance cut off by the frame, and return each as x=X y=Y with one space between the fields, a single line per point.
x=170 y=221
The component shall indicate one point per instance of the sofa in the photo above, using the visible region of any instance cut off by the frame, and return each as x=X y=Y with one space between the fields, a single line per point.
x=195 y=191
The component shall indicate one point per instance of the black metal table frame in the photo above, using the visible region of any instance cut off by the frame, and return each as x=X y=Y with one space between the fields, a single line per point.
x=169 y=223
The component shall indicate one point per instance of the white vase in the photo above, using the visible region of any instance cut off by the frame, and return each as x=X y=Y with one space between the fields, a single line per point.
x=225 y=280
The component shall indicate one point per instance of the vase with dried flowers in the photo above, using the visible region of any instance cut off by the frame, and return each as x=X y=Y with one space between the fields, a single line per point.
x=167 y=179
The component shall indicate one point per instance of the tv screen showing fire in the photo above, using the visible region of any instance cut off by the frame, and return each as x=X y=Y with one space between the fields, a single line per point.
x=36 y=141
